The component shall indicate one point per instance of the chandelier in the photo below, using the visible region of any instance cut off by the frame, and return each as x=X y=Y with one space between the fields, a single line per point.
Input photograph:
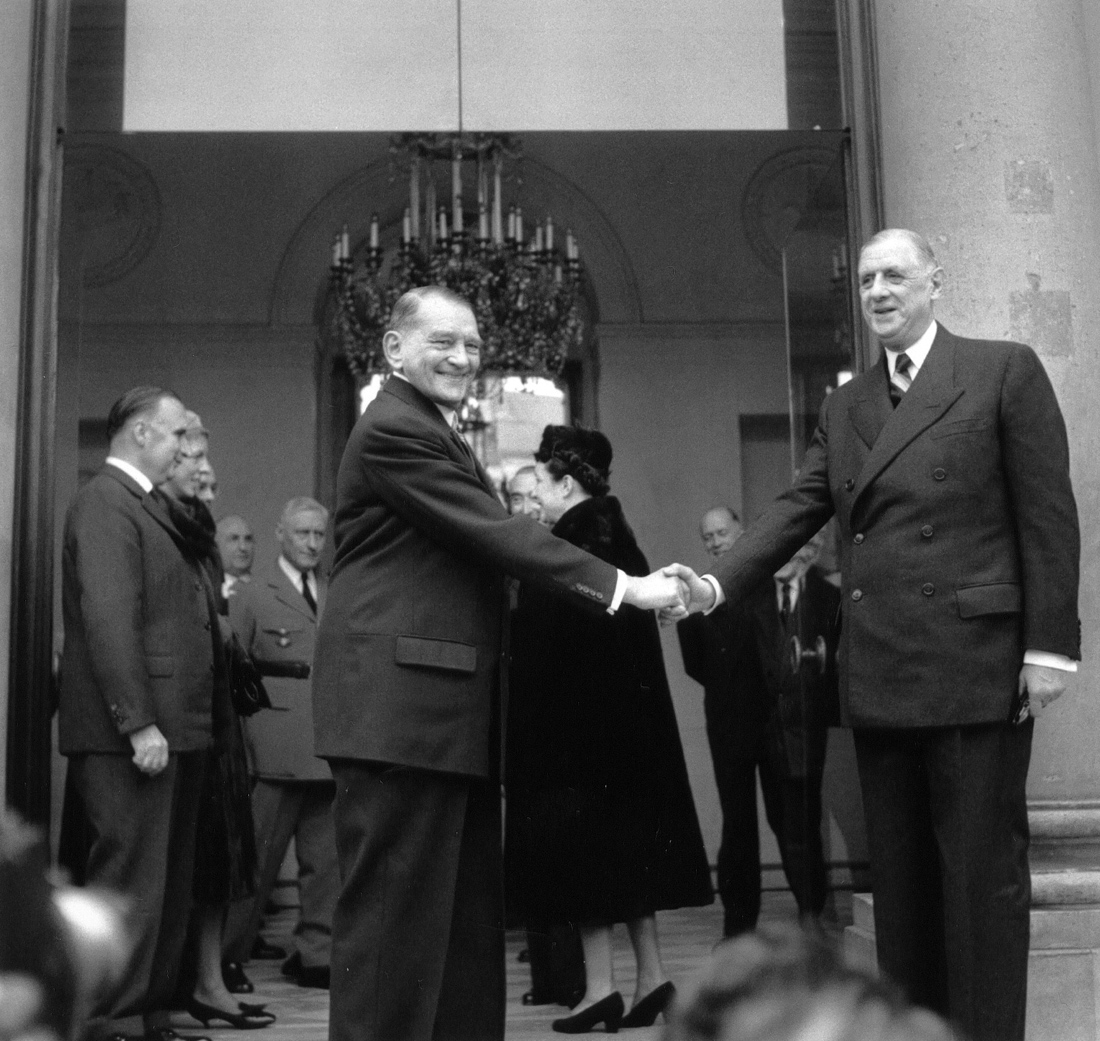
x=525 y=290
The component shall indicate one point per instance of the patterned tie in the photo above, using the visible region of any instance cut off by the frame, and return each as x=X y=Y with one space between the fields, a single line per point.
x=785 y=606
x=308 y=593
x=901 y=381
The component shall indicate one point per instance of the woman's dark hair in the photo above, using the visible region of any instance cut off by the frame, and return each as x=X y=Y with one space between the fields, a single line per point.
x=583 y=454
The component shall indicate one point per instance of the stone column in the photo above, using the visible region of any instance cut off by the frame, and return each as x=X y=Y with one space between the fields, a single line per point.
x=990 y=148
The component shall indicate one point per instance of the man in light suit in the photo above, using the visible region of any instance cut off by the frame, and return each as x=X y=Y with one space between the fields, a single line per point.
x=947 y=467
x=137 y=696
x=276 y=622
x=406 y=691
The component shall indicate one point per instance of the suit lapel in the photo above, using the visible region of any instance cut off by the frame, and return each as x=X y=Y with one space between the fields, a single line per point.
x=287 y=595
x=933 y=392
x=159 y=513
x=404 y=390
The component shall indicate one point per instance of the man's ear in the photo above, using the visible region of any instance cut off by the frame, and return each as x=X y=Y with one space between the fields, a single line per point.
x=937 y=282
x=567 y=483
x=391 y=348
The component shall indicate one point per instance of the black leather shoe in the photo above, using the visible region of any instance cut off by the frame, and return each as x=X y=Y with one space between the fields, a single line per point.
x=645 y=1013
x=292 y=967
x=608 y=1011
x=236 y=982
x=314 y=976
x=264 y=951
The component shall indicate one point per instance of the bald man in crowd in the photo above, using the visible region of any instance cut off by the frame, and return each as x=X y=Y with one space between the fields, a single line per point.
x=237 y=546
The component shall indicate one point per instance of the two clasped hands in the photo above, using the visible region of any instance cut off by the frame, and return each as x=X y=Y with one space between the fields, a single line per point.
x=674 y=591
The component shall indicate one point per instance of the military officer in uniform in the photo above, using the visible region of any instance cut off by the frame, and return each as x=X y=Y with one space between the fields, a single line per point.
x=276 y=620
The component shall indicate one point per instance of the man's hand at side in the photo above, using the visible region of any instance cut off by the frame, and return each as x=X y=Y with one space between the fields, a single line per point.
x=150 y=750
x=1042 y=685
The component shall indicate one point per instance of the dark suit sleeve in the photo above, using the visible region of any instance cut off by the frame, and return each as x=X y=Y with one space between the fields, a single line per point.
x=693 y=647
x=105 y=549
x=1036 y=466
x=411 y=468
x=786 y=526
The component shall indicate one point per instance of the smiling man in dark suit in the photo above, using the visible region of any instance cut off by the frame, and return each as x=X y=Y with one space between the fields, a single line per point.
x=406 y=691
x=947 y=467
x=137 y=683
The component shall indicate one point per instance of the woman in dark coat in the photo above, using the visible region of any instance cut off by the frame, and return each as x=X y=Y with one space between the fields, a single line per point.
x=601 y=827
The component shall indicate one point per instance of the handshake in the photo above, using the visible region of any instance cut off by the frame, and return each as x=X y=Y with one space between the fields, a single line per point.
x=675 y=591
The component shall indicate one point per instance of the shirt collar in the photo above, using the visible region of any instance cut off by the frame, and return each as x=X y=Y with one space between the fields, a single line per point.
x=448 y=414
x=916 y=354
x=131 y=471
x=296 y=577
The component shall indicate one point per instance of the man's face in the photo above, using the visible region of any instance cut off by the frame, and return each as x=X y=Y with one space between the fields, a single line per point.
x=521 y=495
x=302 y=537
x=896 y=290
x=440 y=354
x=719 y=532
x=160 y=439
x=236 y=546
x=183 y=478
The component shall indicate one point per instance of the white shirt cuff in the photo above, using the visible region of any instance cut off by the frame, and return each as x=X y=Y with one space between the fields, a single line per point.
x=719 y=595
x=1050 y=660
x=620 y=592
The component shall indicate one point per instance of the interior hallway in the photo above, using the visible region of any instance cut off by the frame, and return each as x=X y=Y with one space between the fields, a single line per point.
x=687 y=938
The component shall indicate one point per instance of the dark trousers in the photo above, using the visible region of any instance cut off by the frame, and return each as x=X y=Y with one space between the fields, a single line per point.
x=418 y=937
x=792 y=806
x=946 y=812
x=143 y=846
x=282 y=810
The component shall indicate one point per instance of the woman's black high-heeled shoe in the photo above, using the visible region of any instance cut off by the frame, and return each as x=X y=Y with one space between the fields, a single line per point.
x=608 y=1011
x=206 y=1014
x=645 y=1013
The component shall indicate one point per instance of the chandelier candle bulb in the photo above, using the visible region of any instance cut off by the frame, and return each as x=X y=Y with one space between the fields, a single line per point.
x=374 y=231
x=538 y=238
x=498 y=222
x=406 y=227
x=519 y=224
x=442 y=224
x=336 y=250
x=511 y=223
x=345 y=251
x=549 y=232
x=482 y=223
x=414 y=197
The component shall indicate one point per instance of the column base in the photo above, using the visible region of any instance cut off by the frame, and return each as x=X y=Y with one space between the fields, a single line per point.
x=1063 y=1000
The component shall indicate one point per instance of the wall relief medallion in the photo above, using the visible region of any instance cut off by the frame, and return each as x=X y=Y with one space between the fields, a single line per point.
x=112 y=203
x=776 y=197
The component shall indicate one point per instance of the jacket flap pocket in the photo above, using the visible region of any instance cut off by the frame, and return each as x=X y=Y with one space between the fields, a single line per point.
x=959 y=426
x=436 y=654
x=160 y=664
x=997 y=598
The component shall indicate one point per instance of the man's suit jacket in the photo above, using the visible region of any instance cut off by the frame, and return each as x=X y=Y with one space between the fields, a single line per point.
x=409 y=647
x=138 y=642
x=277 y=628
x=800 y=703
x=959 y=537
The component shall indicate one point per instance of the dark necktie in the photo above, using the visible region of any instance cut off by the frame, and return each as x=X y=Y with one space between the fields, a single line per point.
x=308 y=593
x=901 y=381
x=785 y=607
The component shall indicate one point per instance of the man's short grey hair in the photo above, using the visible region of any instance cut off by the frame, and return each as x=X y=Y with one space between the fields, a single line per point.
x=405 y=311
x=302 y=504
x=915 y=239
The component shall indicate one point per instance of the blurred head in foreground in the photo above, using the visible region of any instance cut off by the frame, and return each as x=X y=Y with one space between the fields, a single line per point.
x=783 y=984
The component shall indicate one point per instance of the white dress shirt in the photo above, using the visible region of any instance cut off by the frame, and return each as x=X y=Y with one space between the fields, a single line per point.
x=297 y=577
x=132 y=471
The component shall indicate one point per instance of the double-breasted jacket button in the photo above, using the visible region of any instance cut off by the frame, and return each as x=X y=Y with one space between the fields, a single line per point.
x=849 y=484
x=284 y=641
x=858 y=539
x=939 y=473
x=927 y=530
x=857 y=595
x=928 y=589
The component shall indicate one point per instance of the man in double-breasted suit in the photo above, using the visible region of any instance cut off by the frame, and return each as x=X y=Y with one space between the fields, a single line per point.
x=276 y=619
x=136 y=697
x=947 y=466
x=406 y=691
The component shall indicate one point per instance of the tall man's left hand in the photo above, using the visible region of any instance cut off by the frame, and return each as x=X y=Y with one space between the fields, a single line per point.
x=1042 y=686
